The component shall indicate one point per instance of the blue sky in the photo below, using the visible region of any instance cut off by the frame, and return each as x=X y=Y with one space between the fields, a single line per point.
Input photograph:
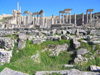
x=50 y=6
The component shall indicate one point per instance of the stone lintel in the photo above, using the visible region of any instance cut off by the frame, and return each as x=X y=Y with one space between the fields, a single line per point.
x=61 y=11
x=26 y=12
x=90 y=10
x=67 y=9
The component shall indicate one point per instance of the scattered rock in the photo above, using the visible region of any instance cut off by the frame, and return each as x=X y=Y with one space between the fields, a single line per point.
x=80 y=59
x=5 y=56
x=68 y=65
x=37 y=41
x=82 y=51
x=35 y=58
x=7 y=71
x=95 y=68
x=21 y=44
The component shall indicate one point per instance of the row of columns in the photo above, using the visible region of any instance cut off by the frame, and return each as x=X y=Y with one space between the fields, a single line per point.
x=35 y=19
x=89 y=10
x=68 y=11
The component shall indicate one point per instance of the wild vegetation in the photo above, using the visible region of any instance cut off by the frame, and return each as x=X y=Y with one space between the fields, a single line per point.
x=21 y=60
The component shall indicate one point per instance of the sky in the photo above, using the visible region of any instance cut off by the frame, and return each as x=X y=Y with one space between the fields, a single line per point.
x=49 y=6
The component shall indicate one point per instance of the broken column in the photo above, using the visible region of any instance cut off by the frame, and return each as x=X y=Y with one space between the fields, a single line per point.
x=60 y=17
x=22 y=41
x=24 y=19
x=66 y=18
x=70 y=18
x=74 y=18
x=52 y=19
x=63 y=17
x=43 y=18
x=87 y=16
x=90 y=16
x=82 y=18
x=34 y=19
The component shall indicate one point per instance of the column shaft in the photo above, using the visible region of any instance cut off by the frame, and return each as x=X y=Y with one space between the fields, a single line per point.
x=90 y=16
x=70 y=18
x=60 y=17
x=63 y=18
x=43 y=19
x=87 y=16
x=75 y=19
x=66 y=18
x=82 y=18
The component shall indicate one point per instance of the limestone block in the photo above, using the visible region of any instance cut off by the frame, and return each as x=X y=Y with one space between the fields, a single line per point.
x=76 y=44
x=21 y=44
x=22 y=37
x=7 y=71
x=82 y=51
x=5 y=56
x=37 y=41
x=95 y=68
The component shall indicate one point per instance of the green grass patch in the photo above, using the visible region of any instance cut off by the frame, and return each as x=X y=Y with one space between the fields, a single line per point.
x=22 y=61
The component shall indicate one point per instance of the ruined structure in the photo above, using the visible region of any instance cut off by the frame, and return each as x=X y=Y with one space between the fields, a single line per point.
x=38 y=20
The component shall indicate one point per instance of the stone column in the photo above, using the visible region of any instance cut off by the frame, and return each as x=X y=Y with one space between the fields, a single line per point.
x=43 y=19
x=17 y=5
x=74 y=18
x=66 y=18
x=27 y=19
x=56 y=21
x=60 y=17
x=82 y=18
x=37 y=19
x=52 y=20
x=34 y=19
x=90 y=16
x=70 y=18
x=24 y=19
x=63 y=18
x=45 y=22
x=87 y=16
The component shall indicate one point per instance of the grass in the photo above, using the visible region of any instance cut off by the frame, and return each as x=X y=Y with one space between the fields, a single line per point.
x=12 y=36
x=96 y=61
x=22 y=61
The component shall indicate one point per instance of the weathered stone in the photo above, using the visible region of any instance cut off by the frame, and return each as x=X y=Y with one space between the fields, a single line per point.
x=63 y=32
x=58 y=31
x=74 y=72
x=76 y=44
x=21 y=44
x=64 y=37
x=66 y=72
x=5 y=56
x=54 y=38
x=37 y=41
x=35 y=58
x=68 y=65
x=7 y=71
x=94 y=42
x=80 y=59
x=95 y=68
x=6 y=43
x=82 y=51
x=29 y=38
x=22 y=37
x=56 y=50
x=83 y=32
x=83 y=41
